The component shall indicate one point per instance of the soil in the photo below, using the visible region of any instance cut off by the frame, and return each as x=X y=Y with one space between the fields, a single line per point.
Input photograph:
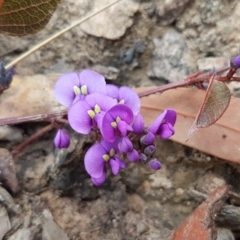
x=165 y=42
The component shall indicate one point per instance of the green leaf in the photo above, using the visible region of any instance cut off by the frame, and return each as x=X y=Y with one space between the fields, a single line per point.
x=22 y=17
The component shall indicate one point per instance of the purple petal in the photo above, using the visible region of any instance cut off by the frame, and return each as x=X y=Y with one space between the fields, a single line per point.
x=133 y=156
x=171 y=116
x=122 y=127
x=130 y=98
x=110 y=145
x=95 y=82
x=78 y=117
x=62 y=139
x=125 y=145
x=166 y=130
x=121 y=163
x=108 y=132
x=112 y=91
x=99 y=181
x=103 y=101
x=155 y=164
x=168 y=115
x=138 y=124
x=93 y=160
x=63 y=89
x=148 y=139
x=114 y=166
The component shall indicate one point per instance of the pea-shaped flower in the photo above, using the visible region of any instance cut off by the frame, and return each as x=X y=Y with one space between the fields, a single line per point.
x=73 y=86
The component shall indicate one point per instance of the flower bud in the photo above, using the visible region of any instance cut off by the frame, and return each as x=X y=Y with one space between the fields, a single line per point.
x=149 y=150
x=142 y=157
x=62 y=139
x=155 y=164
x=235 y=62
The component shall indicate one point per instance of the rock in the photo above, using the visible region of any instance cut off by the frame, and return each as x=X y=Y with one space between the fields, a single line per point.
x=210 y=63
x=224 y=234
x=113 y=22
x=9 y=133
x=5 y=225
x=168 y=57
x=109 y=72
x=142 y=228
x=168 y=11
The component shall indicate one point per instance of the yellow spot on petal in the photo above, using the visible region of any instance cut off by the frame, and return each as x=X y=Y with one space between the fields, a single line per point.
x=84 y=89
x=77 y=90
x=91 y=113
x=118 y=119
x=114 y=124
x=106 y=157
x=112 y=152
x=97 y=109
x=122 y=101
x=115 y=100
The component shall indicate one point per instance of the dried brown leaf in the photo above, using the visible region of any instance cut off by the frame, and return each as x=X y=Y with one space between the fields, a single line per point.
x=220 y=139
x=215 y=103
x=22 y=17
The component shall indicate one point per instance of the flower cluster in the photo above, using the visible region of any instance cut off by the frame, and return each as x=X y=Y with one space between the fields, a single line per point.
x=114 y=114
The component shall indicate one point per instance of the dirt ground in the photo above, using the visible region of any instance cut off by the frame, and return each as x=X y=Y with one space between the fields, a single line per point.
x=161 y=42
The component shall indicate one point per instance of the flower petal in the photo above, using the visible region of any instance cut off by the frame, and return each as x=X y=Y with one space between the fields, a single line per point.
x=114 y=166
x=63 y=89
x=133 y=156
x=99 y=181
x=78 y=117
x=138 y=124
x=122 y=111
x=103 y=101
x=62 y=139
x=122 y=127
x=130 y=98
x=148 y=139
x=108 y=132
x=93 y=160
x=94 y=81
x=112 y=91
x=166 y=130
x=156 y=124
x=125 y=145
x=121 y=163
x=111 y=145
x=171 y=116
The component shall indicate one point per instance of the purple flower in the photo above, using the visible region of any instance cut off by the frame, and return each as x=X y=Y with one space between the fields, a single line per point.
x=138 y=124
x=101 y=155
x=148 y=139
x=116 y=122
x=125 y=145
x=83 y=115
x=62 y=139
x=133 y=156
x=163 y=125
x=142 y=157
x=73 y=86
x=235 y=62
x=124 y=95
x=155 y=164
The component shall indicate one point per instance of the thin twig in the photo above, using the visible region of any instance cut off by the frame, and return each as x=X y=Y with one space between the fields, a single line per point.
x=26 y=54
x=34 y=137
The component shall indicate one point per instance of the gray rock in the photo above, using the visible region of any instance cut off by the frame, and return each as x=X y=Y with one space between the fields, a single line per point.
x=168 y=57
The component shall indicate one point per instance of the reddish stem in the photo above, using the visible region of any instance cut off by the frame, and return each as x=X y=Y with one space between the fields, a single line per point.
x=34 y=137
